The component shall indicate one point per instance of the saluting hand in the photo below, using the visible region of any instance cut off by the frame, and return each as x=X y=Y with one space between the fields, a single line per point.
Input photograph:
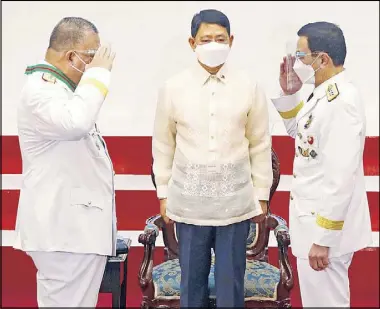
x=296 y=82
x=103 y=58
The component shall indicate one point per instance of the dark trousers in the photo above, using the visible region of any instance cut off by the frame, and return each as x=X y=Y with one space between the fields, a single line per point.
x=229 y=243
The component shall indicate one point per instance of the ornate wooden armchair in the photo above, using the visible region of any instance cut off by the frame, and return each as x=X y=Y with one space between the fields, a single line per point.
x=265 y=284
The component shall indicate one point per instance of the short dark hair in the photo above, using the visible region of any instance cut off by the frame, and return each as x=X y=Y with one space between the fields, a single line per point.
x=326 y=37
x=70 y=32
x=209 y=17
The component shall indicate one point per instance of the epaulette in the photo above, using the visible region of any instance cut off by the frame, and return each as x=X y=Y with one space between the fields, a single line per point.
x=332 y=92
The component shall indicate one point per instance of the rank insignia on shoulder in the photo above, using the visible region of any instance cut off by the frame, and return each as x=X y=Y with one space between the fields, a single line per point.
x=47 y=77
x=332 y=92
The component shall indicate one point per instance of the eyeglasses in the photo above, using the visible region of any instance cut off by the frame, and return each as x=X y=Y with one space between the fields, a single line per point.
x=88 y=52
x=300 y=54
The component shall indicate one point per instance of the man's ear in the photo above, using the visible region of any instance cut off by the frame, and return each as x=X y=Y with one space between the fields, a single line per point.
x=325 y=61
x=192 y=43
x=69 y=55
x=231 y=40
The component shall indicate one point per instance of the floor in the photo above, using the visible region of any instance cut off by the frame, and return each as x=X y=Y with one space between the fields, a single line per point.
x=19 y=288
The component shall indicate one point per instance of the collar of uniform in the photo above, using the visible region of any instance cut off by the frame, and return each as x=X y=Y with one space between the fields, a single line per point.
x=46 y=67
x=320 y=91
x=203 y=76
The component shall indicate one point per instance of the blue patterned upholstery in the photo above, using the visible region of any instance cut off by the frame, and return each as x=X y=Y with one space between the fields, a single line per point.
x=261 y=280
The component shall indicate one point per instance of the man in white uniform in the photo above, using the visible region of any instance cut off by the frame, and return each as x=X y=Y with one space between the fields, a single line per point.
x=329 y=214
x=66 y=215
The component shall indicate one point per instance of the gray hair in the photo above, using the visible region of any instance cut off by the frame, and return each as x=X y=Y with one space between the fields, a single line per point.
x=70 y=32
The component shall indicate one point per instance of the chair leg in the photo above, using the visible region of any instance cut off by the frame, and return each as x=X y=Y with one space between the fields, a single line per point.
x=144 y=305
x=123 y=296
x=286 y=305
x=116 y=297
x=123 y=287
x=116 y=286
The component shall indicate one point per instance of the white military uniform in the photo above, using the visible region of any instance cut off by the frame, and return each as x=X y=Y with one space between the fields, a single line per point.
x=328 y=205
x=66 y=215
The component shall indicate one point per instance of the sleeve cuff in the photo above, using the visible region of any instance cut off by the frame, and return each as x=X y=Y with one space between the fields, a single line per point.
x=288 y=106
x=258 y=211
x=262 y=194
x=97 y=77
x=329 y=232
x=327 y=238
x=162 y=191
x=102 y=75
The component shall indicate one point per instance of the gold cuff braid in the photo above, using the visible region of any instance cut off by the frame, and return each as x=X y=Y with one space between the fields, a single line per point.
x=292 y=113
x=329 y=224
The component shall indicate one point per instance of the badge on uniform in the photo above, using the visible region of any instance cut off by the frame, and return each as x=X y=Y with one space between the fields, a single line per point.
x=47 y=77
x=303 y=152
x=313 y=154
x=308 y=122
x=332 y=92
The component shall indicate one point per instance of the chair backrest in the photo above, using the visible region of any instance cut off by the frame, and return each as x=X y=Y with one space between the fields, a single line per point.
x=276 y=174
x=258 y=237
x=257 y=242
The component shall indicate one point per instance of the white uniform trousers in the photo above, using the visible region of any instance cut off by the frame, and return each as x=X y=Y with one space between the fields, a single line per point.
x=326 y=288
x=68 y=279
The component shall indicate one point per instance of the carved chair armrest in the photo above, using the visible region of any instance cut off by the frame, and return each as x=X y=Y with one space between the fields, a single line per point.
x=259 y=250
x=281 y=233
x=148 y=239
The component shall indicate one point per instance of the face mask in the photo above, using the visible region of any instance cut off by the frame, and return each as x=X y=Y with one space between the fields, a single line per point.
x=305 y=72
x=212 y=54
x=75 y=68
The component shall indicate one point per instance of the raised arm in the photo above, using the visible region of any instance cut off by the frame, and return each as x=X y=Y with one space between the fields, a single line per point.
x=58 y=117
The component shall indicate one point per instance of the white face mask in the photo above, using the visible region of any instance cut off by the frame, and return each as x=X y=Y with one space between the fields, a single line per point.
x=212 y=54
x=74 y=67
x=305 y=72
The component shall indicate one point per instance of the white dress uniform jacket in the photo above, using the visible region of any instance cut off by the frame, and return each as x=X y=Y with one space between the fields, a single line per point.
x=328 y=204
x=67 y=200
